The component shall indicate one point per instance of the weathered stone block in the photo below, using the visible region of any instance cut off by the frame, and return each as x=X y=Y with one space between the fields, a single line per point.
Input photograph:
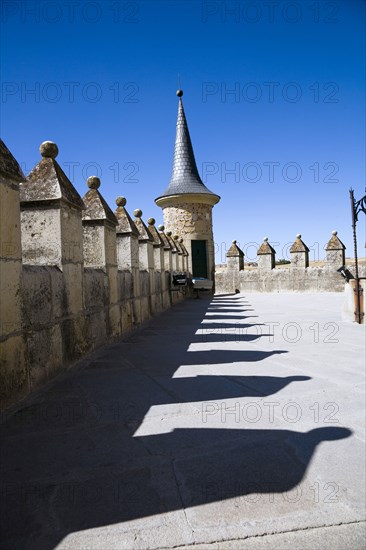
x=94 y=332
x=299 y=260
x=13 y=369
x=73 y=276
x=158 y=258
x=136 y=282
x=94 y=246
x=168 y=260
x=94 y=288
x=146 y=255
x=266 y=262
x=41 y=236
x=114 y=321
x=127 y=251
x=10 y=245
x=112 y=274
x=75 y=337
x=144 y=283
x=144 y=308
x=127 y=316
x=128 y=285
x=58 y=293
x=71 y=234
x=336 y=258
x=45 y=354
x=10 y=296
x=37 y=296
x=110 y=246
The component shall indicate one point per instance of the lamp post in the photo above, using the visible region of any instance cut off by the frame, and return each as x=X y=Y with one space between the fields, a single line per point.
x=357 y=207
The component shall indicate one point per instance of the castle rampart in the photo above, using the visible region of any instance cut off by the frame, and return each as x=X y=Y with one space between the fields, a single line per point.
x=74 y=274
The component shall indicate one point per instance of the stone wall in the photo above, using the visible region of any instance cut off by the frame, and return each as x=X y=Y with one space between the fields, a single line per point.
x=189 y=218
x=74 y=274
x=193 y=221
x=296 y=277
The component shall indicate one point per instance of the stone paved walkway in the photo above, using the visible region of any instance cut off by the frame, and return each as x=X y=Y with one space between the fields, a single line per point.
x=221 y=419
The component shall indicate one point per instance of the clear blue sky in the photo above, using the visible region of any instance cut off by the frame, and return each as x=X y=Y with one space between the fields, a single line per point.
x=104 y=77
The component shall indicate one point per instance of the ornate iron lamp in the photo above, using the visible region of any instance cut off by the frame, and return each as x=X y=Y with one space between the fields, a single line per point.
x=357 y=207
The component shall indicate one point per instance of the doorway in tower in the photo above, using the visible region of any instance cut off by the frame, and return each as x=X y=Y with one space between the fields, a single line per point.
x=199 y=259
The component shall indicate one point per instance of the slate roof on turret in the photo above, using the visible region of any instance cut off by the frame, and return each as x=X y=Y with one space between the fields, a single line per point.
x=185 y=178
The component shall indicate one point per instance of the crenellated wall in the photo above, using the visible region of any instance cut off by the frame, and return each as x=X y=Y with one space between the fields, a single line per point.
x=297 y=276
x=74 y=274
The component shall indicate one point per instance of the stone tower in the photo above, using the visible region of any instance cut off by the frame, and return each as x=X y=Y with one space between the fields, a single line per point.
x=187 y=203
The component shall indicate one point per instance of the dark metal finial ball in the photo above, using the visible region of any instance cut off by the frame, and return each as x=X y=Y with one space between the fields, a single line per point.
x=179 y=93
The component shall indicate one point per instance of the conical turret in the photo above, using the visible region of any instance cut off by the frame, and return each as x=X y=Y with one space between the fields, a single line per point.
x=185 y=178
x=187 y=203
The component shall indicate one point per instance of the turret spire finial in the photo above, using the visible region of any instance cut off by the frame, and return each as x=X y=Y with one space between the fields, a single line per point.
x=180 y=91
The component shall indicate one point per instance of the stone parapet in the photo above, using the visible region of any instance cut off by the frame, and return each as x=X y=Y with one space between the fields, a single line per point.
x=266 y=255
x=298 y=276
x=74 y=275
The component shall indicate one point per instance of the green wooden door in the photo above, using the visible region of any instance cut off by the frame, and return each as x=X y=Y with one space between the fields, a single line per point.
x=199 y=259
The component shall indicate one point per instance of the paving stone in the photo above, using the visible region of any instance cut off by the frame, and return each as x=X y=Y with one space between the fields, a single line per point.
x=170 y=440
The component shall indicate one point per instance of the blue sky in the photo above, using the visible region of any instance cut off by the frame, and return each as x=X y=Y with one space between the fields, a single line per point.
x=273 y=93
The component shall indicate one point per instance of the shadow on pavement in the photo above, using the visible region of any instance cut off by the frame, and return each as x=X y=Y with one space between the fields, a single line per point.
x=75 y=457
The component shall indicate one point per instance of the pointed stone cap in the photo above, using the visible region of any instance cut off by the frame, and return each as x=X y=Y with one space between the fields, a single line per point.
x=177 y=244
x=185 y=178
x=144 y=233
x=171 y=241
x=234 y=250
x=48 y=182
x=96 y=208
x=182 y=245
x=265 y=248
x=158 y=241
x=335 y=243
x=9 y=167
x=299 y=245
x=126 y=226
x=167 y=245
